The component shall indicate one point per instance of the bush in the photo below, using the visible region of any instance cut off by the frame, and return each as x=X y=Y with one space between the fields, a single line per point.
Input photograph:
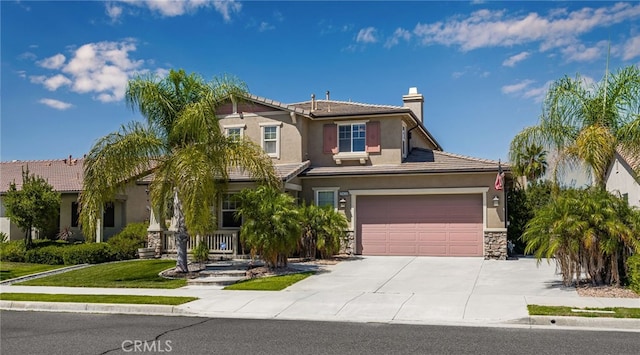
x=90 y=253
x=201 y=253
x=51 y=255
x=633 y=272
x=125 y=244
x=12 y=251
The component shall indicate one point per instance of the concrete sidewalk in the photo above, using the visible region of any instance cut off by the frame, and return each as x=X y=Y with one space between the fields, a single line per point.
x=455 y=291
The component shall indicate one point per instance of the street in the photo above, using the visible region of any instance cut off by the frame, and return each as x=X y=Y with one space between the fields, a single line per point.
x=69 y=333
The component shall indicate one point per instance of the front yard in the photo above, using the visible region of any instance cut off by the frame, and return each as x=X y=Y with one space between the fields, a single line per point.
x=11 y=270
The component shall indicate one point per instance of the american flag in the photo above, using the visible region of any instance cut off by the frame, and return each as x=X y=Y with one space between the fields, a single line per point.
x=499 y=184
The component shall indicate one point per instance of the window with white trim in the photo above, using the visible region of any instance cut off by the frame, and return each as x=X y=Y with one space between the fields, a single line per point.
x=326 y=197
x=234 y=133
x=271 y=140
x=228 y=210
x=352 y=137
x=404 y=140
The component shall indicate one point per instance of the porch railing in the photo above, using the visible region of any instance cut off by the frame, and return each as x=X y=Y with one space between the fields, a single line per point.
x=220 y=242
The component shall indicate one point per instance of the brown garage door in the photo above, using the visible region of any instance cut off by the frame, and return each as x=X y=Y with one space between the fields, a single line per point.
x=429 y=225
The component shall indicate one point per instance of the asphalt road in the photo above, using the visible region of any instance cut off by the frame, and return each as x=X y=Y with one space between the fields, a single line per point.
x=69 y=333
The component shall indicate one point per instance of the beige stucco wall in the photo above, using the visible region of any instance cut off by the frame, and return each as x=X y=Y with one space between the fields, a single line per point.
x=290 y=133
x=494 y=215
x=620 y=180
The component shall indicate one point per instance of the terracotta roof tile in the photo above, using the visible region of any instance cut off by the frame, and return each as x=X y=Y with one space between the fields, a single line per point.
x=62 y=175
x=419 y=161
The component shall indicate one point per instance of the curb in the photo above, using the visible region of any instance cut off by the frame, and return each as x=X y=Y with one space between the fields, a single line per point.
x=601 y=323
x=111 y=308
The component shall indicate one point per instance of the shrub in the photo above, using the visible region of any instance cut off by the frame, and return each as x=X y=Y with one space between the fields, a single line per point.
x=633 y=272
x=125 y=244
x=322 y=230
x=51 y=255
x=90 y=253
x=12 y=251
x=201 y=253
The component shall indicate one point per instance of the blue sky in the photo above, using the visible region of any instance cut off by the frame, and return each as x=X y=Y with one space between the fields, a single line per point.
x=483 y=67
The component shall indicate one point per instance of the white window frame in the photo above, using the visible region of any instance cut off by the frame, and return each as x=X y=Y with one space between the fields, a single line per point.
x=351 y=124
x=222 y=210
x=334 y=190
x=404 y=140
x=277 y=126
x=241 y=127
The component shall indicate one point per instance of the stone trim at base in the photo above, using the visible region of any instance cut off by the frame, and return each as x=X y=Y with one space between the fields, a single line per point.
x=495 y=245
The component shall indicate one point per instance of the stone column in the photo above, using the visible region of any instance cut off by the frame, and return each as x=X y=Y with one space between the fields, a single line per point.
x=154 y=235
x=495 y=245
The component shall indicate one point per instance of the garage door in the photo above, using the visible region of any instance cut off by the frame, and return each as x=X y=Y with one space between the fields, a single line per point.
x=429 y=225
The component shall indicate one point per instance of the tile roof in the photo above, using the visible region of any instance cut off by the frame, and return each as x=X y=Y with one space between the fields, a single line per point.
x=285 y=171
x=632 y=159
x=63 y=175
x=418 y=161
x=329 y=108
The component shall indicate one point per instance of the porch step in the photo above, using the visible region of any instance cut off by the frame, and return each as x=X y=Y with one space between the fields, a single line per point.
x=223 y=273
x=215 y=280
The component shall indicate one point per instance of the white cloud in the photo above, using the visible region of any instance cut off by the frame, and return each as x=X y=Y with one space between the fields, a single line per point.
x=226 y=7
x=57 y=104
x=367 y=35
x=485 y=28
x=54 y=62
x=27 y=56
x=525 y=89
x=514 y=59
x=113 y=11
x=265 y=26
x=631 y=49
x=582 y=53
x=519 y=87
x=101 y=68
x=399 y=33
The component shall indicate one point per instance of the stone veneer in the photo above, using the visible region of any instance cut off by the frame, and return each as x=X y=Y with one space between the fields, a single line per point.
x=154 y=240
x=495 y=245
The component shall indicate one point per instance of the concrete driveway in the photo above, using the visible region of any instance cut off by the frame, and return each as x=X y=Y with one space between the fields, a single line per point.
x=448 y=289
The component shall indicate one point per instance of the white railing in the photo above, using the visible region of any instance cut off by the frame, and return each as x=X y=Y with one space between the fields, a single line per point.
x=220 y=242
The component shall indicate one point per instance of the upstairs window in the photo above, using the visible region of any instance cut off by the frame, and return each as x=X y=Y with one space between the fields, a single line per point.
x=234 y=133
x=271 y=140
x=352 y=137
x=404 y=141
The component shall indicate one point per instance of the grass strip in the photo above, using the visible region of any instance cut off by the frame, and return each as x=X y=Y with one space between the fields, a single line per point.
x=126 y=299
x=618 y=312
x=271 y=283
x=11 y=270
x=126 y=274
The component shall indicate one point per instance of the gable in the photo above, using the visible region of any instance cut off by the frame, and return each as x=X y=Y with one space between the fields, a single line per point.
x=243 y=107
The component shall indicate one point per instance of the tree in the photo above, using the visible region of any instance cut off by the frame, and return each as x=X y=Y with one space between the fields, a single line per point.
x=322 y=230
x=35 y=205
x=586 y=231
x=531 y=162
x=270 y=224
x=182 y=144
x=587 y=124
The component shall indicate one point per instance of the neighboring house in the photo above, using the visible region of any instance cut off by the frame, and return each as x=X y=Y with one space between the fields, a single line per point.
x=622 y=179
x=401 y=193
x=66 y=177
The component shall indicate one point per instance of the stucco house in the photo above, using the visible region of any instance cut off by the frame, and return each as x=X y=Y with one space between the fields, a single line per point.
x=400 y=191
x=66 y=177
x=621 y=178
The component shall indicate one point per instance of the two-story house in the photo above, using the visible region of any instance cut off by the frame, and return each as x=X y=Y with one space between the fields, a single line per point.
x=401 y=193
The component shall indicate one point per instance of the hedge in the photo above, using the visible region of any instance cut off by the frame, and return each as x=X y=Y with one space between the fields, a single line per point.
x=633 y=263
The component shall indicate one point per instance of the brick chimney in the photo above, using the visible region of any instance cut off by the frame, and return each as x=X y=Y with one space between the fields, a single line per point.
x=415 y=102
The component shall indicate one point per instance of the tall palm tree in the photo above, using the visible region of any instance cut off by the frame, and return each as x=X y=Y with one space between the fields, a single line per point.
x=587 y=124
x=532 y=162
x=181 y=144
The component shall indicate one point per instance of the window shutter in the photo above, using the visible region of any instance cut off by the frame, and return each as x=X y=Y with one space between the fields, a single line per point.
x=373 y=137
x=330 y=139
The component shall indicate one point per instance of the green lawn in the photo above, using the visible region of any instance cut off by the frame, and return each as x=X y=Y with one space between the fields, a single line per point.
x=618 y=312
x=126 y=274
x=272 y=283
x=10 y=270
x=43 y=297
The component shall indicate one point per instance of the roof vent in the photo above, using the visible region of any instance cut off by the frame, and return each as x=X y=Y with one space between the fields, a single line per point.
x=328 y=95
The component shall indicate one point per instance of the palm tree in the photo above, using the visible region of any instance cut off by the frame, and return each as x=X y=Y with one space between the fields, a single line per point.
x=182 y=144
x=532 y=162
x=587 y=124
x=323 y=228
x=271 y=223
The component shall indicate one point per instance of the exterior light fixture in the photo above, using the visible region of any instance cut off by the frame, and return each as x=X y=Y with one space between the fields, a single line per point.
x=496 y=201
x=343 y=203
